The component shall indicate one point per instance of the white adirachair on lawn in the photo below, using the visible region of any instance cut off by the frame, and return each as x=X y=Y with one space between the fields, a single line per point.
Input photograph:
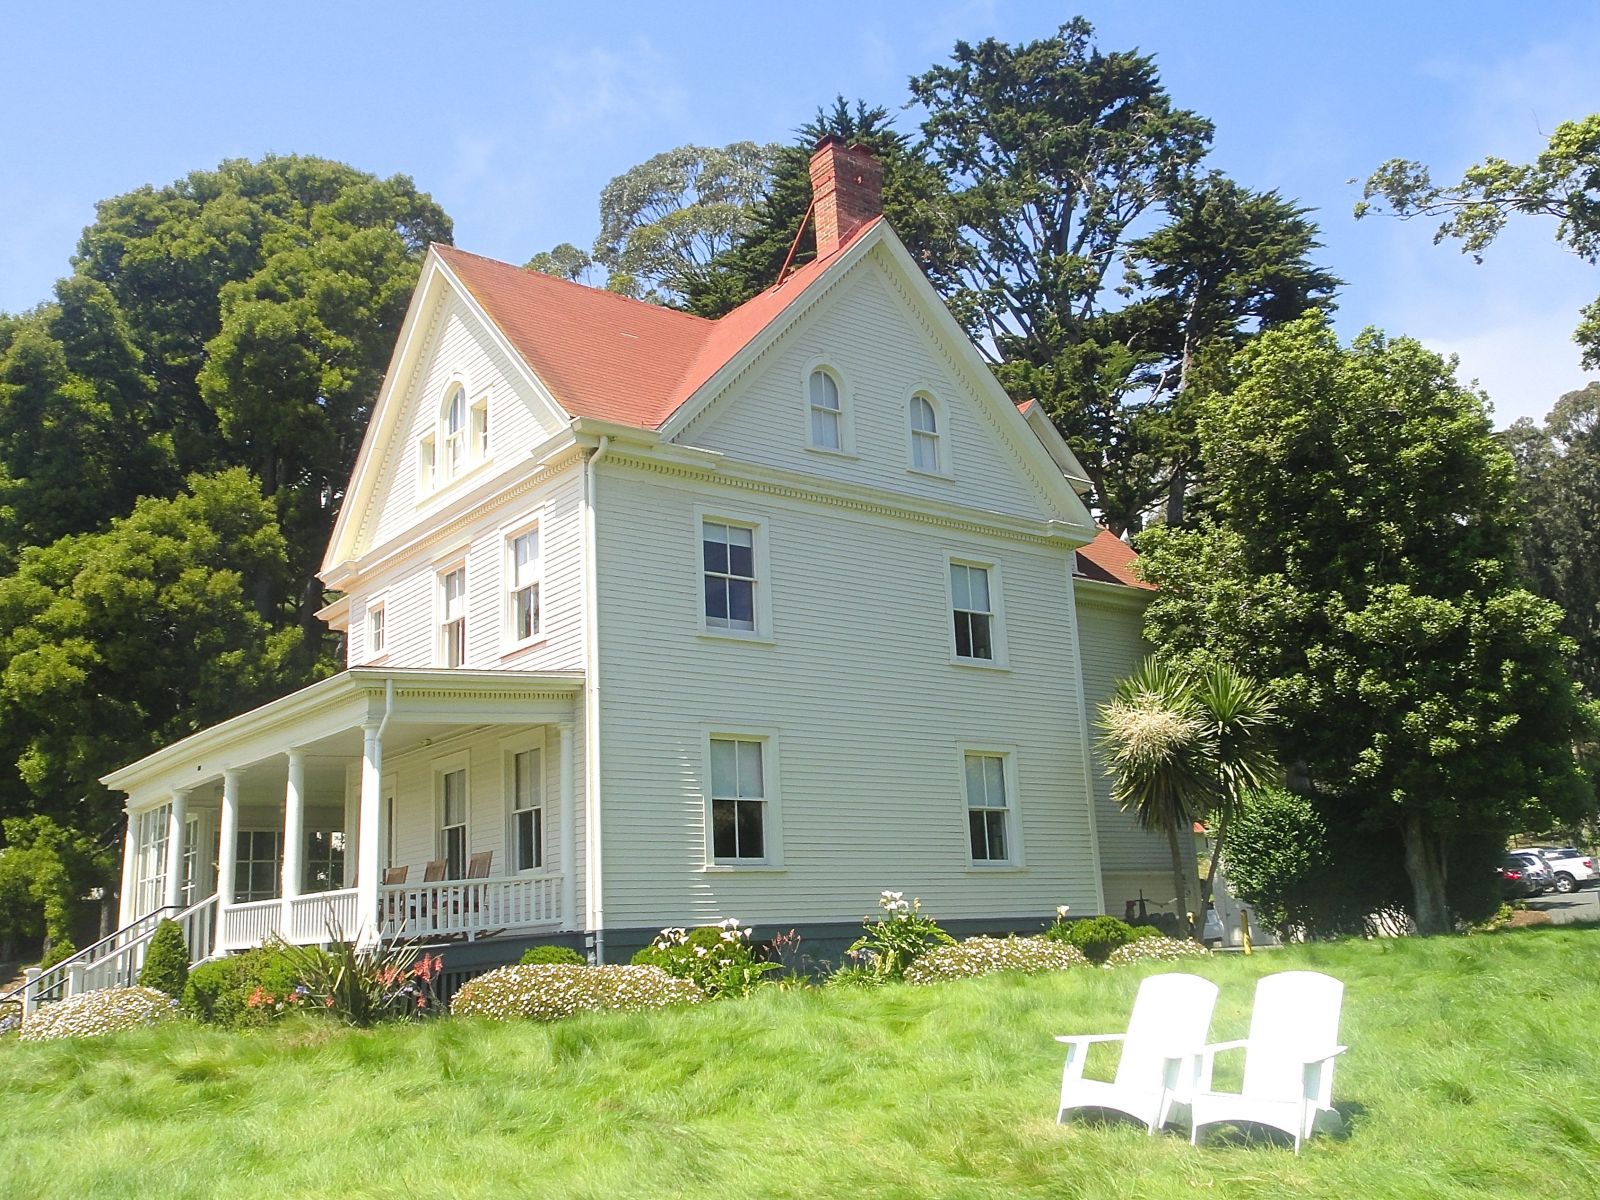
x=1288 y=1060
x=1171 y=1015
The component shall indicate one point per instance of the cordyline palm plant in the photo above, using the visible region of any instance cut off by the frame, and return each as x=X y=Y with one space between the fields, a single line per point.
x=1183 y=749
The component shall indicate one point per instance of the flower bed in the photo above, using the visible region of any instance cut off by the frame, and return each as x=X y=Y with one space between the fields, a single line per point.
x=1156 y=949
x=553 y=991
x=985 y=955
x=93 y=1014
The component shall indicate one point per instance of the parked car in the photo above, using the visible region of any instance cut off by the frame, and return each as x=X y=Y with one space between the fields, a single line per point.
x=1538 y=872
x=1514 y=881
x=1573 y=868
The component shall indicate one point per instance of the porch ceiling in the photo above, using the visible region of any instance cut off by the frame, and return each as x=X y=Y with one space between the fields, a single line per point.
x=325 y=721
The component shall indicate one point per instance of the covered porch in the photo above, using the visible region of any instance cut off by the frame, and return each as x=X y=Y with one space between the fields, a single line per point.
x=419 y=803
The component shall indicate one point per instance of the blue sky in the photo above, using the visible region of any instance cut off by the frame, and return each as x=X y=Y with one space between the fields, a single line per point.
x=515 y=115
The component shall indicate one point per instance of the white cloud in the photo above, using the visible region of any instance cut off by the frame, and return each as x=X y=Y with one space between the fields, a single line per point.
x=1525 y=362
x=584 y=90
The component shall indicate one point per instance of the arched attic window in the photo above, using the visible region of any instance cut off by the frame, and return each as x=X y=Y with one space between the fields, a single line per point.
x=926 y=452
x=453 y=430
x=827 y=413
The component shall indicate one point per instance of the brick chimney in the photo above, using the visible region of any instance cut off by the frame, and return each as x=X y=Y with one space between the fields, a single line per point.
x=847 y=189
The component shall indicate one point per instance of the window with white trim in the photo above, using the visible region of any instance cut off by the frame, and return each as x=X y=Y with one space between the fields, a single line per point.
x=377 y=641
x=150 y=860
x=738 y=800
x=191 y=860
x=452 y=649
x=479 y=418
x=258 y=865
x=453 y=822
x=925 y=453
x=988 y=808
x=827 y=413
x=729 y=566
x=973 y=612
x=527 y=811
x=324 y=861
x=523 y=569
x=453 y=429
x=427 y=463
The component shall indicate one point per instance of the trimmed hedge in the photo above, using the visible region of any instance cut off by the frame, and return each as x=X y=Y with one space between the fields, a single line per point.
x=166 y=961
x=554 y=991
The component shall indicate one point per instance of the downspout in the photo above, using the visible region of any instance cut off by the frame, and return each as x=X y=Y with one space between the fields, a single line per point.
x=594 y=892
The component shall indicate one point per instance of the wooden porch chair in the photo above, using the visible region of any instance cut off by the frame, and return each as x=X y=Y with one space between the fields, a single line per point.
x=391 y=904
x=433 y=871
x=478 y=865
x=394 y=875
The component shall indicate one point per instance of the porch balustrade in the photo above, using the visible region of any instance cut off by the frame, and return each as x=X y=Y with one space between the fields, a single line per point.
x=470 y=907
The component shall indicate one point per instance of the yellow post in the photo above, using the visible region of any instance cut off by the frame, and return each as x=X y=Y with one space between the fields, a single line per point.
x=1244 y=931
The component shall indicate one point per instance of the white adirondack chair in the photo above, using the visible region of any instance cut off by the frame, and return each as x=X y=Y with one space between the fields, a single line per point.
x=1288 y=1060
x=1171 y=1015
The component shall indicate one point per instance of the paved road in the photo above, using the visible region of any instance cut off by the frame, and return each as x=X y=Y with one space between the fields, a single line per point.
x=1582 y=905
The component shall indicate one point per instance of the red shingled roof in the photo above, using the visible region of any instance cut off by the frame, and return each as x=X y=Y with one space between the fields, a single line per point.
x=1109 y=559
x=611 y=358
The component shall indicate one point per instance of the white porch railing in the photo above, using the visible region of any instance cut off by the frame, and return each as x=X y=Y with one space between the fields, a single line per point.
x=247 y=925
x=470 y=906
x=322 y=916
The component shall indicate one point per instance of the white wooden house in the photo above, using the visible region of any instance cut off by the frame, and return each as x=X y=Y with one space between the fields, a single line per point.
x=654 y=620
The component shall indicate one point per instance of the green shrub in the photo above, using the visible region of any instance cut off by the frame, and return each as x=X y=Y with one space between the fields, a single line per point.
x=1156 y=949
x=985 y=955
x=717 y=959
x=1144 y=931
x=248 y=989
x=93 y=1014
x=1096 y=937
x=537 y=956
x=553 y=991
x=894 y=941
x=166 y=961
x=61 y=949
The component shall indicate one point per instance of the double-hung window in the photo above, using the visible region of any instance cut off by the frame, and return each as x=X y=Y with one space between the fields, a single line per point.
x=377 y=633
x=924 y=435
x=827 y=414
x=527 y=811
x=453 y=822
x=453 y=617
x=729 y=565
x=151 y=830
x=738 y=800
x=522 y=603
x=972 y=605
x=455 y=431
x=480 y=429
x=325 y=859
x=258 y=865
x=988 y=808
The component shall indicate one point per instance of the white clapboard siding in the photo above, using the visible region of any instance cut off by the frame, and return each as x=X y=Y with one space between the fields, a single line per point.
x=864 y=330
x=457 y=348
x=409 y=590
x=1113 y=645
x=859 y=691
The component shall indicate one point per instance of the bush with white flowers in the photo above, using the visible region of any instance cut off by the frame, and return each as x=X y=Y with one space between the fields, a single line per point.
x=891 y=943
x=93 y=1014
x=10 y=1017
x=552 y=991
x=1156 y=949
x=718 y=959
x=986 y=955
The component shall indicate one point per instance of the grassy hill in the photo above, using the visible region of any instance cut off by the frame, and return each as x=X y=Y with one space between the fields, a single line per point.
x=1474 y=1071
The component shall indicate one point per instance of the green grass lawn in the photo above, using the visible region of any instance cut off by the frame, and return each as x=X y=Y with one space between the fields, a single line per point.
x=1473 y=1071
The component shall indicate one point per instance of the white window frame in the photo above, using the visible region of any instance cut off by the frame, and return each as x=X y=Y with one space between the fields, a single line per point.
x=241 y=876
x=1007 y=754
x=453 y=443
x=151 y=828
x=441 y=611
x=772 y=791
x=510 y=748
x=941 y=423
x=336 y=859
x=510 y=642
x=376 y=629
x=997 y=616
x=761 y=606
x=443 y=767
x=427 y=465
x=847 y=439
x=478 y=430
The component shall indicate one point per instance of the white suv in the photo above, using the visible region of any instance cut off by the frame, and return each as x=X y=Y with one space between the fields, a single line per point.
x=1572 y=868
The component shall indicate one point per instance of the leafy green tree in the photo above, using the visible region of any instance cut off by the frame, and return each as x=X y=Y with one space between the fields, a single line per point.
x=1238 y=716
x=265 y=298
x=1562 y=182
x=915 y=202
x=565 y=261
x=114 y=643
x=664 y=221
x=45 y=872
x=1558 y=467
x=1361 y=558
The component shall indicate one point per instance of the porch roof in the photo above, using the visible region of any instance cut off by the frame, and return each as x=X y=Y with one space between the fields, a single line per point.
x=414 y=698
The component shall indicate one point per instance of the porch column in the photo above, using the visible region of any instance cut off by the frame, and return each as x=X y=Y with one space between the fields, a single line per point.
x=369 y=862
x=227 y=852
x=294 y=830
x=569 y=832
x=176 y=824
x=130 y=852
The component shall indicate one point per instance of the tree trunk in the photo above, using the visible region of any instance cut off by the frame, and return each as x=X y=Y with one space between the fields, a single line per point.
x=1179 y=883
x=1177 y=490
x=1209 y=891
x=1425 y=865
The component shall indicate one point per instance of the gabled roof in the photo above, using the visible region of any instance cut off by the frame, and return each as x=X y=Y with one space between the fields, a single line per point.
x=610 y=358
x=1109 y=559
